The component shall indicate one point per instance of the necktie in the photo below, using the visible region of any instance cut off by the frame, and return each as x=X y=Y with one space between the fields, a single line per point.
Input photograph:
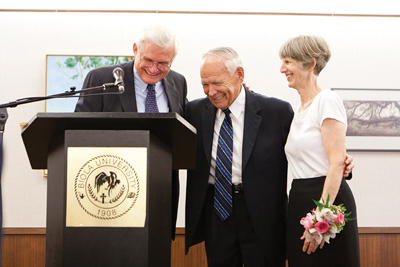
x=151 y=101
x=223 y=170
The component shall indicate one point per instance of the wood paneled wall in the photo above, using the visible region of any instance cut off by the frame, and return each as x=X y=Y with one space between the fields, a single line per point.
x=25 y=247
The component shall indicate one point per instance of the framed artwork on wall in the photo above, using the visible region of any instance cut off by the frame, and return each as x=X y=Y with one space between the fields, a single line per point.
x=64 y=71
x=373 y=117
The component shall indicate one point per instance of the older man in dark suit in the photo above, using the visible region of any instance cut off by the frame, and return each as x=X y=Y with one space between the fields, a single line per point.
x=150 y=85
x=236 y=195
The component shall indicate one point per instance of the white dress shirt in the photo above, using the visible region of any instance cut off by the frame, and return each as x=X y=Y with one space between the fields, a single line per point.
x=237 y=117
x=141 y=93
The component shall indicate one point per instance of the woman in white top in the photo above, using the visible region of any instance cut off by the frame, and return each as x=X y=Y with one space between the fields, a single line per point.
x=316 y=153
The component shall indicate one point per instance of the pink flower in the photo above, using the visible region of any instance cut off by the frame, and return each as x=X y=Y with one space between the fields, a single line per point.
x=340 y=218
x=322 y=227
x=306 y=222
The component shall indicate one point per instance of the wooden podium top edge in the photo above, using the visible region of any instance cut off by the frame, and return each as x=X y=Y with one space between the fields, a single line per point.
x=111 y=115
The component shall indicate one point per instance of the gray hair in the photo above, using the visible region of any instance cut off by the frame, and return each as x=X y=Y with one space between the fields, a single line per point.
x=160 y=36
x=227 y=54
x=304 y=49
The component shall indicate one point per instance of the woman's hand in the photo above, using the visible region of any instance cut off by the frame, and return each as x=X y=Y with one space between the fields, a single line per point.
x=311 y=247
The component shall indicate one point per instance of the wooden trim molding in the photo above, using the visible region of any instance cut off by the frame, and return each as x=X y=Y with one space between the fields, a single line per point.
x=181 y=231
x=379 y=230
x=26 y=247
x=24 y=231
x=361 y=230
x=199 y=12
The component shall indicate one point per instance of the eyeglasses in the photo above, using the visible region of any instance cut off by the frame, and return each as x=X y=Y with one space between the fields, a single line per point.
x=147 y=63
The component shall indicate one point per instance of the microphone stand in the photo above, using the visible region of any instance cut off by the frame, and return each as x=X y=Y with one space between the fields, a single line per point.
x=3 y=119
x=71 y=93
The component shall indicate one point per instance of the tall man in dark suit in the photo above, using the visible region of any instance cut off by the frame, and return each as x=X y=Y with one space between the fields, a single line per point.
x=250 y=230
x=150 y=86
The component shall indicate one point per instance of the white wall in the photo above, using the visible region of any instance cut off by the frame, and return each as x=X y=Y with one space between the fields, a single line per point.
x=366 y=53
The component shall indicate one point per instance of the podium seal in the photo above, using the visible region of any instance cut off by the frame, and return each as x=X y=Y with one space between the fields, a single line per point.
x=106 y=187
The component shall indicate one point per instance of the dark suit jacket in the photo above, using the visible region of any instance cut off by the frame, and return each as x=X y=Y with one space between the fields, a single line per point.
x=174 y=85
x=264 y=170
x=175 y=88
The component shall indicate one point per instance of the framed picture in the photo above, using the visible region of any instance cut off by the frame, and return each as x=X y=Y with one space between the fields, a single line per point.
x=373 y=117
x=64 y=71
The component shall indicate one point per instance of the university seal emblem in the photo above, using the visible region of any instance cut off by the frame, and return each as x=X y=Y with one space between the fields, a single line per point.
x=106 y=187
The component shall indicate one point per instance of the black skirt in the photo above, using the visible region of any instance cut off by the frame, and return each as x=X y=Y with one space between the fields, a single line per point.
x=343 y=250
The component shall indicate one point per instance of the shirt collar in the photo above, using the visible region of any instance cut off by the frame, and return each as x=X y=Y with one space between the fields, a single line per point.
x=140 y=82
x=237 y=107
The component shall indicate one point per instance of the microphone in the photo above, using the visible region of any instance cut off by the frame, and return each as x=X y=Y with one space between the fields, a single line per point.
x=118 y=74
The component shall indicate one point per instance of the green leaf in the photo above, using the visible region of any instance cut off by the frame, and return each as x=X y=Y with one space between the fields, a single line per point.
x=319 y=205
x=79 y=59
x=70 y=63
x=327 y=202
x=95 y=61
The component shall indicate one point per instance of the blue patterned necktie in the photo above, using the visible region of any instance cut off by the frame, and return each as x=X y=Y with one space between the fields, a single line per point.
x=151 y=101
x=223 y=170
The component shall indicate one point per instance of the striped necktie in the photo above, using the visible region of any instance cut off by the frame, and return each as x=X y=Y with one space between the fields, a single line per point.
x=151 y=101
x=223 y=170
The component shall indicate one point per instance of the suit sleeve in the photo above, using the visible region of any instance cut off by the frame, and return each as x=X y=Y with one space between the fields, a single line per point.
x=286 y=121
x=185 y=100
x=92 y=103
x=181 y=88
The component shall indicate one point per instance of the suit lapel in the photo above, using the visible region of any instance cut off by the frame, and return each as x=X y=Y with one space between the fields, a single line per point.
x=128 y=99
x=208 y=121
x=252 y=122
x=172 y=94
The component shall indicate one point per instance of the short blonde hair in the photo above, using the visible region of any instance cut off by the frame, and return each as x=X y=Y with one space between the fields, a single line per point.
x=304 y=49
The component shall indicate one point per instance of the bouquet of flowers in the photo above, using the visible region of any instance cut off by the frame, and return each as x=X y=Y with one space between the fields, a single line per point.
x=325 y=222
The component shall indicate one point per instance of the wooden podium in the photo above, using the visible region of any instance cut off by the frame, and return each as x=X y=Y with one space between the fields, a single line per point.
x=109 y=184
